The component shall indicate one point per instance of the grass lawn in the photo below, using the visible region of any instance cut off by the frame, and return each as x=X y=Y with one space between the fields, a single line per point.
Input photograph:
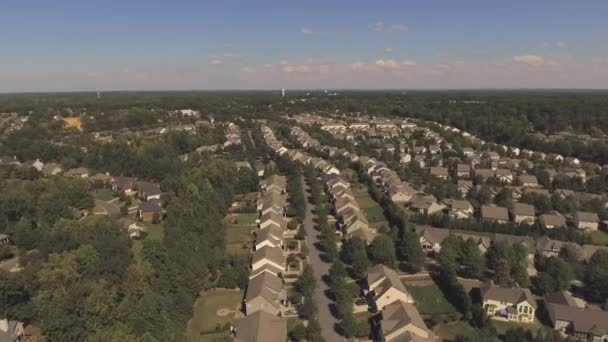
x=372 y=210
x=246 y=218
x=430 y=300
x=155 y=231
x=599 y=237
x=205 y=318
x=212 y=337
x=104 y=194
x=374 y=214
x=449 y=331
x=238 y=233
x=503 y=326
x=364 y=199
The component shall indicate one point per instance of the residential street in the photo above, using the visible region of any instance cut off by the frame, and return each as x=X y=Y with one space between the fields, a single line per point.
x=320 y=268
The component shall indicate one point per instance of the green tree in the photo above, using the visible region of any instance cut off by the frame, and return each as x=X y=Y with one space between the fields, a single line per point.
x=597 y=276
x=382 y=251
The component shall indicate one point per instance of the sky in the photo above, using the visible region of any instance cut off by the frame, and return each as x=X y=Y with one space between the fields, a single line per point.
x=76 y=45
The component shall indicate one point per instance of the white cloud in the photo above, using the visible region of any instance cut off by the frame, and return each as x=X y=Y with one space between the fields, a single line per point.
x=561 y=44
x=534 y=60
x=382 y=27
x=388 y=64
x=310 y=32
x=388 y=50
x=219 y=58
x=408 y=62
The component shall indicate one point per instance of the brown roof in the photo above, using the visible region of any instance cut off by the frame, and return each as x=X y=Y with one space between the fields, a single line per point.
x=274 y=254
x=399 y=314
x=261 y=327
x=439 y=171
x=513 y=295
x=553 y=219
x=528 y=179
x=523 y=209
x=494 y=213
x=267 y=286
x=391 y=279
x=431 y=234
x=583 y=320
x=587 y=216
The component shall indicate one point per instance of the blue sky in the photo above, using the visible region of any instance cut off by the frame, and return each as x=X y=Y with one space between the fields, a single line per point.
x=64 y=45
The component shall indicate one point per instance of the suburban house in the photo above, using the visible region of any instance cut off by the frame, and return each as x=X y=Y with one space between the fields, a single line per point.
x=79 y=172
x=508 y=303
x=400 y=321
x=11 y=331
x=504 y=175
x=271 y=236
x=265 y=292
x=552 y=220
x=344 y=203
x=51 y=169
x=431 y=238
x=272 y=219
x=463 y=170
x=268 y=256
x=261 y=326
x=147 y=191
x=549 y=248
x=385 y=287
x=425 y=204
x=274 y=181
x=353 y=220
x=464 y=186
x=402 y=193
x=148 y=210
x=460 y=209
x=527 y=180
x=586 y=220
x=491 y=213
x=439 y=172
x=569 y=318
x=124 y=184
x=484 y=173
x=523 y=213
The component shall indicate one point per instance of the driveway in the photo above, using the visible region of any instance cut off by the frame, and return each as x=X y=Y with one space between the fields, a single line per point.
x=320 y=268
x=107 y=207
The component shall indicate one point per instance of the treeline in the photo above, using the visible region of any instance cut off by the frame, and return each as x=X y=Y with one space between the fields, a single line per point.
x=81 y=281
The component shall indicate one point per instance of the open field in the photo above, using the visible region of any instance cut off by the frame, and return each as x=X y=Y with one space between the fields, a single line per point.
x=212 y=309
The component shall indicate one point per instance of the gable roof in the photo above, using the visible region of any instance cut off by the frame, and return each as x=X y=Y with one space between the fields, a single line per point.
x=273 y=254
x=523 y=209
x=400 y=314
x=389 y=279
x=513 y=295
x=261 y=327
x=494 y=212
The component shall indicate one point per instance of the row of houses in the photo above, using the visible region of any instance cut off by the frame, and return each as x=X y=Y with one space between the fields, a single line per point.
x=397 y=318
x=266 y=301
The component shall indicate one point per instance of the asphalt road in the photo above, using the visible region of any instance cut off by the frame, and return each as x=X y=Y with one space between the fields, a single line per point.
x=320 y=268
